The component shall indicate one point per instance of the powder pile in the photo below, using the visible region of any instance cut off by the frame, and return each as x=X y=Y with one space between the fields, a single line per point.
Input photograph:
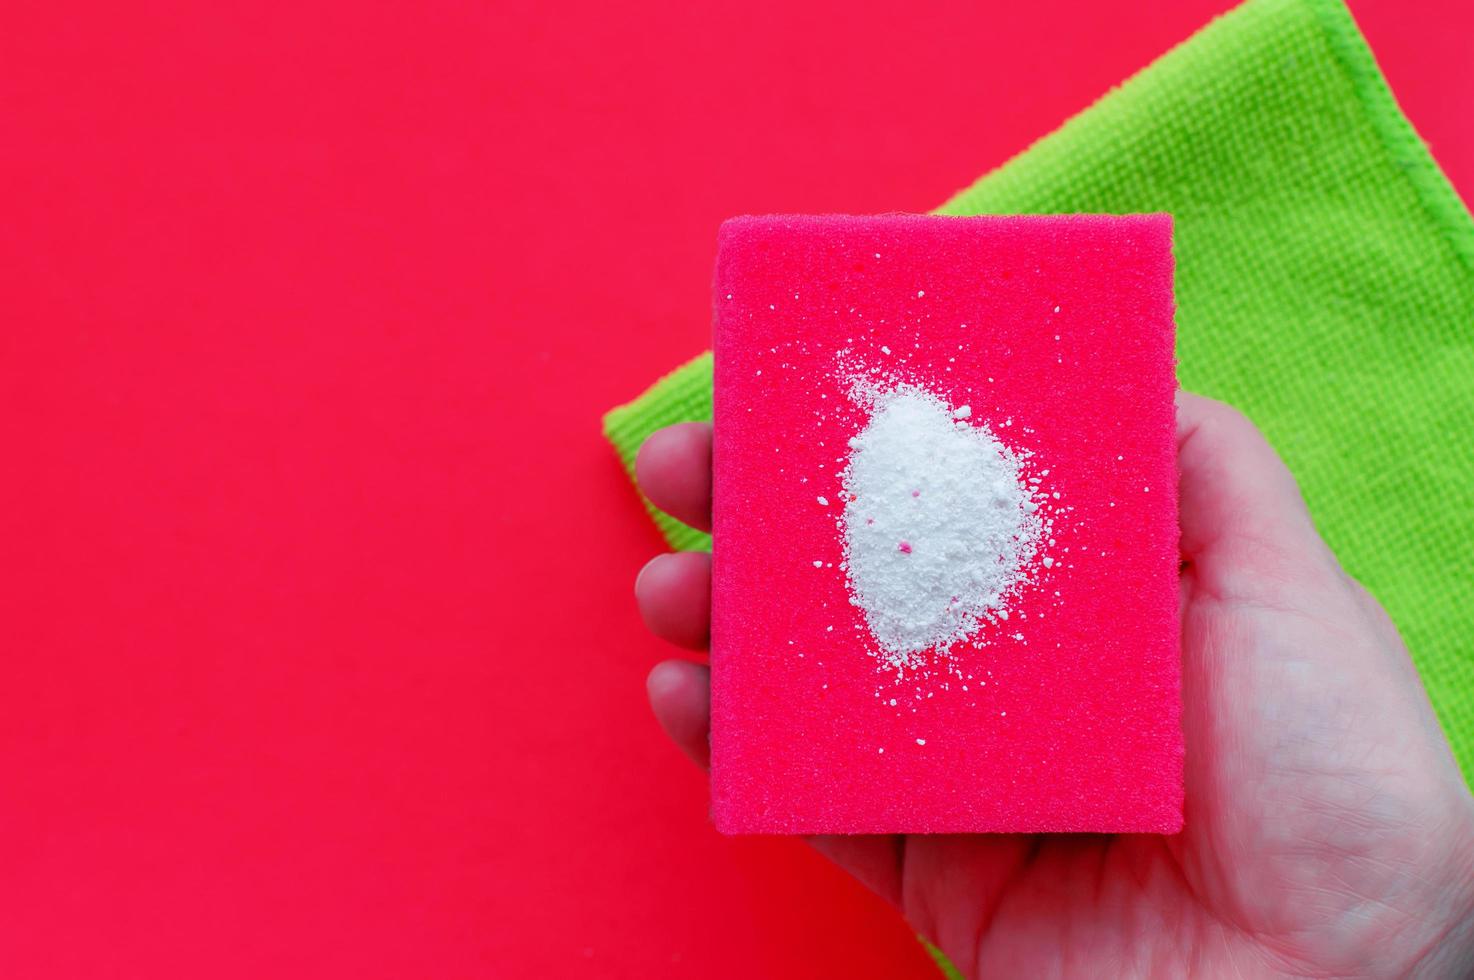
x=939 y=525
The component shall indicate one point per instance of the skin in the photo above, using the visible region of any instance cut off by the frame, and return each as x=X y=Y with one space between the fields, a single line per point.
x=1328 y=830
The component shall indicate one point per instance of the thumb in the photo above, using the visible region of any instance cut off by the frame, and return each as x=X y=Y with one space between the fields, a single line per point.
x=1245 y=527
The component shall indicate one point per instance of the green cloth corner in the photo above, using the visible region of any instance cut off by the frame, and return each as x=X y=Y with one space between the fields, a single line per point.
x=684 y=395
x=945 y=965
x=1325 y=286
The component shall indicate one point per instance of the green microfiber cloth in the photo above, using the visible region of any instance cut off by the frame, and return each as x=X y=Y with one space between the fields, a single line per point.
x=1325 y=286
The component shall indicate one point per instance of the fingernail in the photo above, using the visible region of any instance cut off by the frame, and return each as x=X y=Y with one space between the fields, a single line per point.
x=662 y=679
x=645 y=569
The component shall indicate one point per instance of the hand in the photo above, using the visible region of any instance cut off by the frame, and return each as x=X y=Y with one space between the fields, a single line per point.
x=1328 y=830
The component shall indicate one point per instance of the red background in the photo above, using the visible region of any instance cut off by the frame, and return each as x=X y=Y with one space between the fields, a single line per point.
x=319 y=654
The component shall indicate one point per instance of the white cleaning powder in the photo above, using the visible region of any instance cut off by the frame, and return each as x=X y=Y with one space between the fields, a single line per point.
x=939 y=526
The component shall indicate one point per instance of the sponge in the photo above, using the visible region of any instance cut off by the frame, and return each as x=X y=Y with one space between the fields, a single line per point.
x=944 y=576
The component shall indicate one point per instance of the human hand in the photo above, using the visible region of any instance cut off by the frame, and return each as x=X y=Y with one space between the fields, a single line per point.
x=1328 y=829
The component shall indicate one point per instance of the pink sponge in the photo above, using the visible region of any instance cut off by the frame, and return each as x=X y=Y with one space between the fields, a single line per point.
x=945 y=568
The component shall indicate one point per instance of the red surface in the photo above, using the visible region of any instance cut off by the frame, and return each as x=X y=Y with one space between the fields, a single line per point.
x=319 y=657
x=1064 y=351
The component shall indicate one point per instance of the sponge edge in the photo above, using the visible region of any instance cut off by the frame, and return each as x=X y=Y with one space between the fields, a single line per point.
x=1056 y=333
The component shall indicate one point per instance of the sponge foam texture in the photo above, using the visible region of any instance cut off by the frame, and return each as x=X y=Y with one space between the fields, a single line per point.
x=1057 y=334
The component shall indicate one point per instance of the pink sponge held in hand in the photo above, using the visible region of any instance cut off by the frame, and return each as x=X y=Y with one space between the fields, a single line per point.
x=944 y=576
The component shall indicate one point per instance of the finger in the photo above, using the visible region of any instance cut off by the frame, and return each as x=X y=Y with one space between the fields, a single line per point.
x=680 y=696
x=952 y=883
x=1239 y=507
x=673 y=468
x=945 y=884
x=875 y=860
x=674 y=595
